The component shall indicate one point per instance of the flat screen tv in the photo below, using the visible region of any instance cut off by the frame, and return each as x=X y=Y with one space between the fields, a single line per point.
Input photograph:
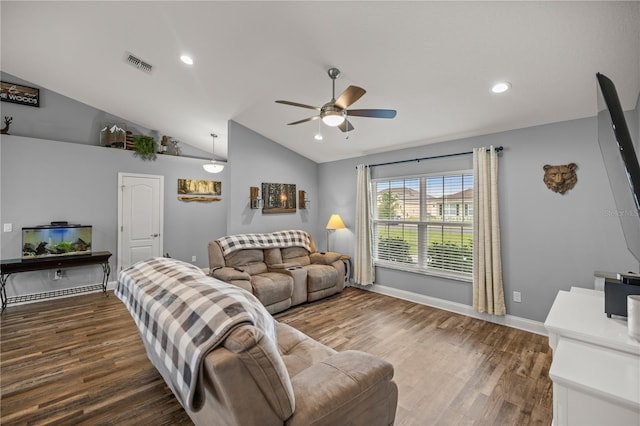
x=621 y=162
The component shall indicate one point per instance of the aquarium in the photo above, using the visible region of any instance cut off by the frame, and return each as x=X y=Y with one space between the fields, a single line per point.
x=56 y=240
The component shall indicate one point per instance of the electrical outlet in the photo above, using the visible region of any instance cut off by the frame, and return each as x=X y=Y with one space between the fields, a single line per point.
x=517 y=297
x=193 y=258
x=7 y=227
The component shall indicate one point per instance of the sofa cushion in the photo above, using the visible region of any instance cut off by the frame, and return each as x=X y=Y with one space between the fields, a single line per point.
x=254 y=268
x=348 y=388
x=272 y=287
x=298 y=350
x=320 y=277
x=245 y=257
x=297 y=255
x=272 y=256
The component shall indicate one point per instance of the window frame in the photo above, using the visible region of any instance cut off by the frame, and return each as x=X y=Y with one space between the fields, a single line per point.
x=422 y=225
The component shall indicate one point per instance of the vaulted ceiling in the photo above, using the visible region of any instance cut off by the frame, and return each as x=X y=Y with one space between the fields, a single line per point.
x=433 y=62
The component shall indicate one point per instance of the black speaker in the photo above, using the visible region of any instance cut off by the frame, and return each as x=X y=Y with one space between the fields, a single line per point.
x=615 y=296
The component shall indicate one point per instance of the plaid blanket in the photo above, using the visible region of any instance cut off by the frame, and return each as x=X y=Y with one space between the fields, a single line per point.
x=182 y=314
x=280 y=239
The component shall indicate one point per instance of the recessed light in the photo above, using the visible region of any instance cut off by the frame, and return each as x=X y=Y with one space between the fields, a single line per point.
x=186 y=59
x=501 y=87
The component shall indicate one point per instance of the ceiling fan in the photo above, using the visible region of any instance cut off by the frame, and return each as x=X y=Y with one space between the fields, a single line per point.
x=334 y=113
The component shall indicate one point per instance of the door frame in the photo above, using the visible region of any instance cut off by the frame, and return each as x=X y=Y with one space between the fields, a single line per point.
x=121 y=177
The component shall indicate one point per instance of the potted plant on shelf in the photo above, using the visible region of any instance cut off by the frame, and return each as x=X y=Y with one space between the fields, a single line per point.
x=145 y=147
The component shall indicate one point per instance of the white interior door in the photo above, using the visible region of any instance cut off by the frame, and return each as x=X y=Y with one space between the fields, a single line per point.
x=140 y=208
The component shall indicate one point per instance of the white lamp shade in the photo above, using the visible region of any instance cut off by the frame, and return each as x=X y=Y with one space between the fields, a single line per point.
x=333 y=118
x=213 y=167
x=335 y=222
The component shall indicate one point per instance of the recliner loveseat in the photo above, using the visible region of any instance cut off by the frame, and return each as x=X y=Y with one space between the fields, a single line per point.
x=282 y=269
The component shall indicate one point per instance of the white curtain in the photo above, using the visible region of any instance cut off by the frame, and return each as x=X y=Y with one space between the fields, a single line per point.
x=363 y=270
x=488 y=291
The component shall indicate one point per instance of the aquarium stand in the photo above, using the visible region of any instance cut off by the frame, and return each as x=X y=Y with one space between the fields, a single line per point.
x=13 y=266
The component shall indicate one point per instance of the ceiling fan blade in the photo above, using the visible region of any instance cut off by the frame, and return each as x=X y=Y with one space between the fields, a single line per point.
x=298 y=105
x=373 y=113
x=315 y=117
x=349 y=96
x=345 y=126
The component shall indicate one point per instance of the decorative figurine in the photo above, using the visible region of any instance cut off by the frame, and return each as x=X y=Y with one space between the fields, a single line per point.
x=560 y=178
x=163 y=144
x=7 y=123
x=176 y=148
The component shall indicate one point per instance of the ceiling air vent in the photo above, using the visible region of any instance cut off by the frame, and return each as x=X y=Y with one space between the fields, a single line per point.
x=138 y=63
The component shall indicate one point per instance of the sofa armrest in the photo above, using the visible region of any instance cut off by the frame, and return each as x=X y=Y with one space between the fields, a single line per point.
x=299 y=275
x=232 y=396
x=349 y=387
x=325 y=258
x=230 y=274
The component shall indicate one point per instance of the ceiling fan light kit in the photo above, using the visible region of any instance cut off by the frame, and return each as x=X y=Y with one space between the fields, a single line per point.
x=334 y=113
x=333 y=118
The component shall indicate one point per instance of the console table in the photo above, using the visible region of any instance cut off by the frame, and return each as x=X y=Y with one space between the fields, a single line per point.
x=596 y=365
x=13 y=266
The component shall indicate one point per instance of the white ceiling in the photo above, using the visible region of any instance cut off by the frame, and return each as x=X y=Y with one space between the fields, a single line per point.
x=433 y=62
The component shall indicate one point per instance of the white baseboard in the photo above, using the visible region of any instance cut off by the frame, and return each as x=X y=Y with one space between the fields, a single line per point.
x=459 y=308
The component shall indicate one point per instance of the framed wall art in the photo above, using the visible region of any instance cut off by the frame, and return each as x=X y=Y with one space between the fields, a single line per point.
x=278 y=198
x=199 y=190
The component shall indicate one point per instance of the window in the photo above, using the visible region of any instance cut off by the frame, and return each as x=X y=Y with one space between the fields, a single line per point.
x=425 y=224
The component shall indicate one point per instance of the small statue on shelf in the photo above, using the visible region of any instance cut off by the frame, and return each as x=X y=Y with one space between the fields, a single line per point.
x=163 y=144
x=7 y=123
x=176 y=148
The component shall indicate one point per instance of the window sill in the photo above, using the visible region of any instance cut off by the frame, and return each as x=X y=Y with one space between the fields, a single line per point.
x=433 y=273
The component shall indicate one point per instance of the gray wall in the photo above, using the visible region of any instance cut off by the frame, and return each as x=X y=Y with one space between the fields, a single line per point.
x=44 y=180
x=60 y=118
x=254 y=159
x=43 y=177
x=549 y=241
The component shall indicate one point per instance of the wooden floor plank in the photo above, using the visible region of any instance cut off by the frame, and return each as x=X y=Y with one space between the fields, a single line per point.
x=80 y=360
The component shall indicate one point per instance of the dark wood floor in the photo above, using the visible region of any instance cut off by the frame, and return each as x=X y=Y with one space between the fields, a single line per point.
x=80 y=361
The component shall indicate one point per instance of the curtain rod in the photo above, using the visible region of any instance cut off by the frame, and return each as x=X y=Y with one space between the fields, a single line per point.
x=497 y=149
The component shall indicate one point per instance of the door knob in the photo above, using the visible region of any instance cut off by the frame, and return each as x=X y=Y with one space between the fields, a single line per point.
x=155 y=235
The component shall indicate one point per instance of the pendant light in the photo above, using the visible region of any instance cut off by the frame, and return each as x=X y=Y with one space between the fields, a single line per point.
x=213 y=166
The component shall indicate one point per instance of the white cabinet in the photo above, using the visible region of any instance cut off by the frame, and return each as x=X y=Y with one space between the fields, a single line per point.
x=596 y=365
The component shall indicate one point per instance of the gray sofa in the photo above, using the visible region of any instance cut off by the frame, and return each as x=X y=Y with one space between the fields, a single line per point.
x=280 y=277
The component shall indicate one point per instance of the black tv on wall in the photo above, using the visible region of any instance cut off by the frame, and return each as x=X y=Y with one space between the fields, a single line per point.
x=621 y=162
